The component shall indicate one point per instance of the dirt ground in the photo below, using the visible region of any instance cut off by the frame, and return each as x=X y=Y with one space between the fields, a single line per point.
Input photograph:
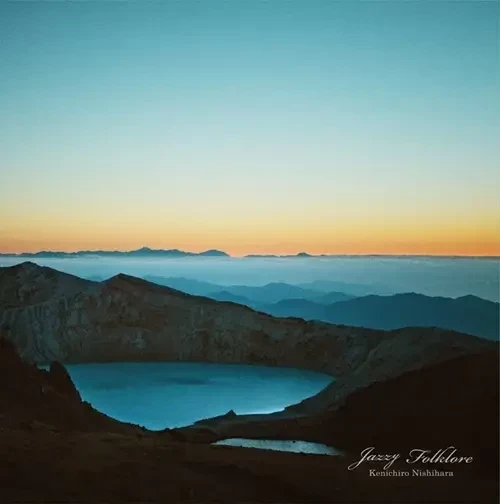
x=42 y=464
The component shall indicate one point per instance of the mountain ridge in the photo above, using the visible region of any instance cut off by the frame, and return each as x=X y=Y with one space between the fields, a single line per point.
x=141 y=252
x=470 y=314
x=130 y=319
x=147 y=251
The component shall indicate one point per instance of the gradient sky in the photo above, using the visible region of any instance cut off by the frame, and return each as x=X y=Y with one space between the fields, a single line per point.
x=250 y=126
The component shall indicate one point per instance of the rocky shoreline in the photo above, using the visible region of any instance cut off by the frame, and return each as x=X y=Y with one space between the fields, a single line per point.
x=54 y=446
x=53 y=316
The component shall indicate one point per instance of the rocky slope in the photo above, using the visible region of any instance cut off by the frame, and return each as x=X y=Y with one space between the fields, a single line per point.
x=56 y=448
x=54 y=316
x=466 y=314
x=28 y=284
x=453 y=403
x=32 y=397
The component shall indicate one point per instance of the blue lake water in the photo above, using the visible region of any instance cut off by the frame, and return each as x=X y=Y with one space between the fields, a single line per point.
x=161 y=395
x=285 y=445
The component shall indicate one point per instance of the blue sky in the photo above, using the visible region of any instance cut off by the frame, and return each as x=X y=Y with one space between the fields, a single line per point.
x=253 y=126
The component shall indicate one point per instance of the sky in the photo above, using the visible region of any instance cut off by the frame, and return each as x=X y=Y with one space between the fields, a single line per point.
x=353 y=127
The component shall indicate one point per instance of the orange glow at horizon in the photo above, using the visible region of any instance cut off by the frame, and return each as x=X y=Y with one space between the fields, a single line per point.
x=275 y=129
x=468 y=240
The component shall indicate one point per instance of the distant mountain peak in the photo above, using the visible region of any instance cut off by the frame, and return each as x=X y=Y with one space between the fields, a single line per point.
x=279 y=256
x=143 y=251
x=214 y=252
x=118 y=276
x=26 y=266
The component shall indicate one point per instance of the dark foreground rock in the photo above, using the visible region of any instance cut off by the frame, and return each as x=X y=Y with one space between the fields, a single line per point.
x=451 y=404
x=56 y=448
x=37 y=397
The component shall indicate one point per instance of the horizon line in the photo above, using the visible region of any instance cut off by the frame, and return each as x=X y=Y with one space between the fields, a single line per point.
x=248 y=255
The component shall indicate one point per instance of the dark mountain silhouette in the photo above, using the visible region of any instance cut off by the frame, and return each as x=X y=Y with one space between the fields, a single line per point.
x=272 y=292
x=254 y=296
x=213 y=253
x=95 y=278
x=467 y=314
x=352 y=289
x=142 y=252
x=274 y=256
x=231 y=298
x=332 y=297
x=187 y=285
x=299 y=308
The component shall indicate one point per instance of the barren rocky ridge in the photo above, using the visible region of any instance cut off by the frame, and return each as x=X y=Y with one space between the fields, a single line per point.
x=53 y=316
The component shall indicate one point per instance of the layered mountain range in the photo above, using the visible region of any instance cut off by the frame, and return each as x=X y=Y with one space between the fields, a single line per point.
x=150 y=252
x=51 y=315
x=414 y=388
x=141 y=252
x=351 y=304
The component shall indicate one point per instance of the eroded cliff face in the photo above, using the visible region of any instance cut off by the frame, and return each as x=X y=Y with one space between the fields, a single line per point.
x=126 y=318
x=51 y=316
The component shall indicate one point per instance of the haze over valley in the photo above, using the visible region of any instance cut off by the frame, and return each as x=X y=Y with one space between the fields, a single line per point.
x=352 y=275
